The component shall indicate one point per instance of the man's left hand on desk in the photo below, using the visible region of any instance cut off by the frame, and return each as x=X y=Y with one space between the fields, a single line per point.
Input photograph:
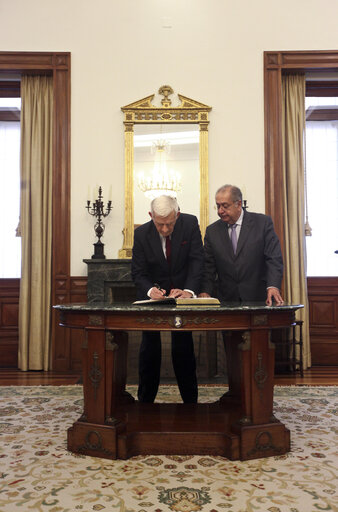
x=274 y=294
x=176 y=292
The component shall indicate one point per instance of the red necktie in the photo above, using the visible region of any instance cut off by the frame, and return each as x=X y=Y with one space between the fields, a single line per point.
x=168 y=249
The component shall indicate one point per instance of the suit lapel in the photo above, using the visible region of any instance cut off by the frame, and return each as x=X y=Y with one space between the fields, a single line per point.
x=224 y=236
x=245 y=231
x=156 y=244
x=176 y=240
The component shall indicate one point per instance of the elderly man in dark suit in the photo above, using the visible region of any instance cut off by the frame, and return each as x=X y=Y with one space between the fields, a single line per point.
x=242 y=253
x=243 y=260
x=167 y=259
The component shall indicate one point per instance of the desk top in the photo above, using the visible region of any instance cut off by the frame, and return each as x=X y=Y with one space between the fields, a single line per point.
x=223 y=307
x=126 y=316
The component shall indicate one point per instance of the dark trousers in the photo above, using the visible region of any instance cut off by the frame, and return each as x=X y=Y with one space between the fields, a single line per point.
x=183 y=358
x=231 y=340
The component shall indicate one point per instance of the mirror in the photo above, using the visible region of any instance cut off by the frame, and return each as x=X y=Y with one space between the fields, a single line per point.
x=166 y=158
x=166 y=151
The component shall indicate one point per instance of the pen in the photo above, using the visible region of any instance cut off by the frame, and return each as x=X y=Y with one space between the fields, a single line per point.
x=156 y=285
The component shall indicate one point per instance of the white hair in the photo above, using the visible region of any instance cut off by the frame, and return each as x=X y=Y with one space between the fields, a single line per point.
x=164 y=206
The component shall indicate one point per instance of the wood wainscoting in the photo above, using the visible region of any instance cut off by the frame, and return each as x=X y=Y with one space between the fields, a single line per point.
x=323 y=311
x=66 y=348
x=9 y=322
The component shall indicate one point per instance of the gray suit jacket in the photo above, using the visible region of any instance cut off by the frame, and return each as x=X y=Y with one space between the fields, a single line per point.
x=257 y=264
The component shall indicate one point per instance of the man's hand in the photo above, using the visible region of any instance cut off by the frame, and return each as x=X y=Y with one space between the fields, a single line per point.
x=176 y=292
x=157 y=293
x=274 y=294
x=204 y=295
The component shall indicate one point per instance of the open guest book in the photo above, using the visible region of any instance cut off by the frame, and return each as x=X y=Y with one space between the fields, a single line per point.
x=198 y=301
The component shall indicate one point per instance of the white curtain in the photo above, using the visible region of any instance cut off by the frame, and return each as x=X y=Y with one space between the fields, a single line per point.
x=322 y=188
x=10 y=245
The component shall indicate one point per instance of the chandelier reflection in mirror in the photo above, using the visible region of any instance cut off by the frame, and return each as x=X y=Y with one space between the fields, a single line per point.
x=162 y=179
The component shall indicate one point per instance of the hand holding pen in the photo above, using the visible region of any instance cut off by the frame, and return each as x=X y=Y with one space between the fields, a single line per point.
x=157 y=292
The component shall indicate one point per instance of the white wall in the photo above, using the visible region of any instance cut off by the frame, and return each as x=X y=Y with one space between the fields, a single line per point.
x=212 y=52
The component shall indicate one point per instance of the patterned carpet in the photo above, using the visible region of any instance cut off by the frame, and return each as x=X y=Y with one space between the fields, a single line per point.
x=38 y=474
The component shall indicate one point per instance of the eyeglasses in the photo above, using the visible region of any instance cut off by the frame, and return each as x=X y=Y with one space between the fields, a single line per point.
x=225 y=206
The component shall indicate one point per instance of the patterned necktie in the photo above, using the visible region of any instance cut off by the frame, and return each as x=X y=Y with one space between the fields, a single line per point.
x=168 y=249
x=233 y=237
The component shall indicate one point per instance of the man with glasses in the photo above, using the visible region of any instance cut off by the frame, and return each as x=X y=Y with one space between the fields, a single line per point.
x=243 y=260
x=242 y=253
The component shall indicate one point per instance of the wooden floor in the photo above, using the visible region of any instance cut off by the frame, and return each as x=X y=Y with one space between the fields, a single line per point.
x=315 y=376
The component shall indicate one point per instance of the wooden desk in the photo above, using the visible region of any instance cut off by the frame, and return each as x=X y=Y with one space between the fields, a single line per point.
x=240 y=425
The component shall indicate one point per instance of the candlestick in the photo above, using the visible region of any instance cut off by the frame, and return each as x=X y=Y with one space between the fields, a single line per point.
x=97 y=210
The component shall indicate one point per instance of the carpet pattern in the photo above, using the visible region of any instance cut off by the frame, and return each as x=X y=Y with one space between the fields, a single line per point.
x=37 y=473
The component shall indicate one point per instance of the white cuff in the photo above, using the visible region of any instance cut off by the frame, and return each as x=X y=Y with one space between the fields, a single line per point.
x=190 y=291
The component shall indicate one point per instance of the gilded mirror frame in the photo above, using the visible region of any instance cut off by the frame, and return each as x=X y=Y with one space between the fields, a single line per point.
x=144 y=112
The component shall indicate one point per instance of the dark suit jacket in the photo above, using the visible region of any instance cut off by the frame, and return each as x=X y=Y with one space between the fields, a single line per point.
x=258 y=262
x=150 y=266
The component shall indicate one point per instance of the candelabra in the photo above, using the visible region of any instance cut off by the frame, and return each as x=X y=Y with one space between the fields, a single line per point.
x=97 y=210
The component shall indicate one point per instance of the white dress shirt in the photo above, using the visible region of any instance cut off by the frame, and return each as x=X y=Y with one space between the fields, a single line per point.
x=238 y=225
x=162 y=238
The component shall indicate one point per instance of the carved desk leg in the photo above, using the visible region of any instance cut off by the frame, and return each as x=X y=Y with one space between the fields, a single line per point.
x=96 y=431
x=93 y=357
x=260 y=433
x=117 y=353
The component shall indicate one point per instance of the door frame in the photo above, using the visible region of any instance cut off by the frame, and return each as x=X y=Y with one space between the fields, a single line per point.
x=322 y=292
x=57 y=65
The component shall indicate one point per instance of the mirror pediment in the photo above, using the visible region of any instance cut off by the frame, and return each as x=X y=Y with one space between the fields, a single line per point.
x=144 y=112
x=189 y=110
x=143 y=103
